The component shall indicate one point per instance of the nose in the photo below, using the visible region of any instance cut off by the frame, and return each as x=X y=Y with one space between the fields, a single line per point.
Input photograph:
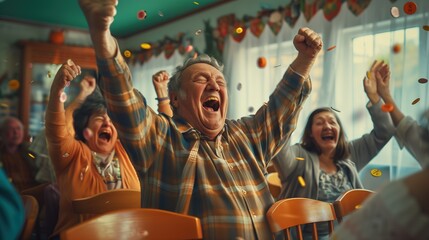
x=106 y=121
x=212 y=85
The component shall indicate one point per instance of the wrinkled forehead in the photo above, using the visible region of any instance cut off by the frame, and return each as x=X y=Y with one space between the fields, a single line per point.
x=201 y=68
x=325 y=115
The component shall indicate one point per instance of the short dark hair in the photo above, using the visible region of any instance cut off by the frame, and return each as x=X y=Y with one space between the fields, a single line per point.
x=94 y=104
x=307 y=142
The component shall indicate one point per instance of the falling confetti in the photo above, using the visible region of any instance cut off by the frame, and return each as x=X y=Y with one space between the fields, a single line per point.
x=49 y=74
x=251 y=109
x=396 y=48
x=336 y=110
x=376 y=172
x=127 y=53
x=198 y=32
x=146 y=46
x=388 y=107
x=394 y=11
x=13 y=84
x=299 y=158
x=4 y=105
x=141 y=15
x=189 y=48
x=357 y=206
x=276 y=66
x=161 y=14
x=31 y=155
x=331 y=48
x=63 y=97
x=423 y=80
x=239 y=30
x=66 y=155
x=239 y=86
x=415 y=101
x=410 y=8
x=426 y=27
x=262 y=62
x=196 y=3
x=301 y=181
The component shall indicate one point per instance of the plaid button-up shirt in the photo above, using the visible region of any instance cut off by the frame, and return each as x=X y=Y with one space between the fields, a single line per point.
x=222 y=182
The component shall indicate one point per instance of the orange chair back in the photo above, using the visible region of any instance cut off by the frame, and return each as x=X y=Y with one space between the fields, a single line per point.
x=349 y=202
x=107 y=201
x=140 y=223
x=295 y=212
x=31 y=213
x=274 y=183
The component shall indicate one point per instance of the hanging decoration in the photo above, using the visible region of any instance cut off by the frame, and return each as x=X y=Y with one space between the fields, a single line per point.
x=229 y=24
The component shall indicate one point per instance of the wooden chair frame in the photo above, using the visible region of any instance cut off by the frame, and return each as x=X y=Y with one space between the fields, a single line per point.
x=140 y=223
x=295 y=212
x=349 y=202
x=31 y=213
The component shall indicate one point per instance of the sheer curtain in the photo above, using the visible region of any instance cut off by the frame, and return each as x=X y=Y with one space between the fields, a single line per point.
x=337 y=75
x=142 y=74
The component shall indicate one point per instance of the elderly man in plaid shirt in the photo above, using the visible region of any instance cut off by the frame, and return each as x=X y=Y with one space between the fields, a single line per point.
x=198 y=162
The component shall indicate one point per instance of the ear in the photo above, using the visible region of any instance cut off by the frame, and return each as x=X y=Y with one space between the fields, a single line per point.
x=87 y=134
x=173 y=100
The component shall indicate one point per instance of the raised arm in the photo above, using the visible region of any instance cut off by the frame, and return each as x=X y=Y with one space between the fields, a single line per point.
x=99 y=15
x=160 y=82
x=87 y=86
x=382 y=74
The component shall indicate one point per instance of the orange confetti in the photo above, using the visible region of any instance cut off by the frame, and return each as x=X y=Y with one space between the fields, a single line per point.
x=262 y=62
x=396 y=48
x=331 y=48
x=415 y=101
x=426 y=27
x=13 y=84
x=358 y=206
x=410 y=8
x=388 y=107
x=301 y=181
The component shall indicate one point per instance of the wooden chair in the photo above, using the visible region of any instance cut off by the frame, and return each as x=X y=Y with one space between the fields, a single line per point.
x=274 y=184
x=295 y=212
x=350 y=201
x=140 y=223
x=31 y=212
x=107 y=201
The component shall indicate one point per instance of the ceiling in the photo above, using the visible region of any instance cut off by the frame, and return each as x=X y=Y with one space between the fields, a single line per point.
x=67 y=14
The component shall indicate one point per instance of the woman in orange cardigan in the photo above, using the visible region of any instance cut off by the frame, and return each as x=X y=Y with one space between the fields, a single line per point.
x=92 y=161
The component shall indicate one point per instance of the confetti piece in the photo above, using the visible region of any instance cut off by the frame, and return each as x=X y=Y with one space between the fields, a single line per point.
x=426 y=27
x=13 y=84
x=141 y=15
x=251 y=109
x=63 y=97
x=276 y=66
x=410 y=8
x=31 y=155
x=423 y=80
x=415 y=101
x=196 y=3
x=239 y=30
x=239 y=86
x=189 y=48
x=331 y=48
x=127 y=53
x=262 y=62
x=69 y=62
x=387 y=107
x=299 y=158
x=396 y=48
x=198 y=32
x=376 y=172
x=66 y=155
x=358 y=206
x=301 y=181
x=161 y=14
x=336 y=110
x=49 y=74
x=4 y=105
x=145 y=46
x=394 y=11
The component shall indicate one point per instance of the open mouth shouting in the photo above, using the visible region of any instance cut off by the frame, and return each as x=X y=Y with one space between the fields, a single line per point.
x=211 y=104
x=105 y=136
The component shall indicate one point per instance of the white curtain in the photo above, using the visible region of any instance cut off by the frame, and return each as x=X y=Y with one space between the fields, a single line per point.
x=142 y=74
x=337 y=75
